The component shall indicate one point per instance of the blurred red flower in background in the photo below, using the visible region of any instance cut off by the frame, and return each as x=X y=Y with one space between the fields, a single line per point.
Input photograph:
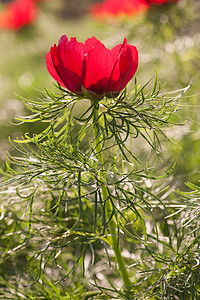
x=109 y=8
x=18 y=13
x=91 y=67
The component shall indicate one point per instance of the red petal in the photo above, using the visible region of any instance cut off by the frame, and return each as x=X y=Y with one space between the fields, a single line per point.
x=125 y=65
x=91 y=43
x=50 y=65
x=70 y=59
x=64 y=63
x=97 y=67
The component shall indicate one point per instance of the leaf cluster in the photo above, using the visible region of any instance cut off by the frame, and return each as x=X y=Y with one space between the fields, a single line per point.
x=58 y=212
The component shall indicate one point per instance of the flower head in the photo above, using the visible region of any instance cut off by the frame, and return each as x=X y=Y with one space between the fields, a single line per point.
x=90 y=67
x=18 y=14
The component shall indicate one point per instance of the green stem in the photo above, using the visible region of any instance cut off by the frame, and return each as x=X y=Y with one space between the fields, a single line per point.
x=113 y=240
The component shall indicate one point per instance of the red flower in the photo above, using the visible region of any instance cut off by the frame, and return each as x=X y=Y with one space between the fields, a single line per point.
x=91 y=67
x=109 y=8
x=18 y=14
